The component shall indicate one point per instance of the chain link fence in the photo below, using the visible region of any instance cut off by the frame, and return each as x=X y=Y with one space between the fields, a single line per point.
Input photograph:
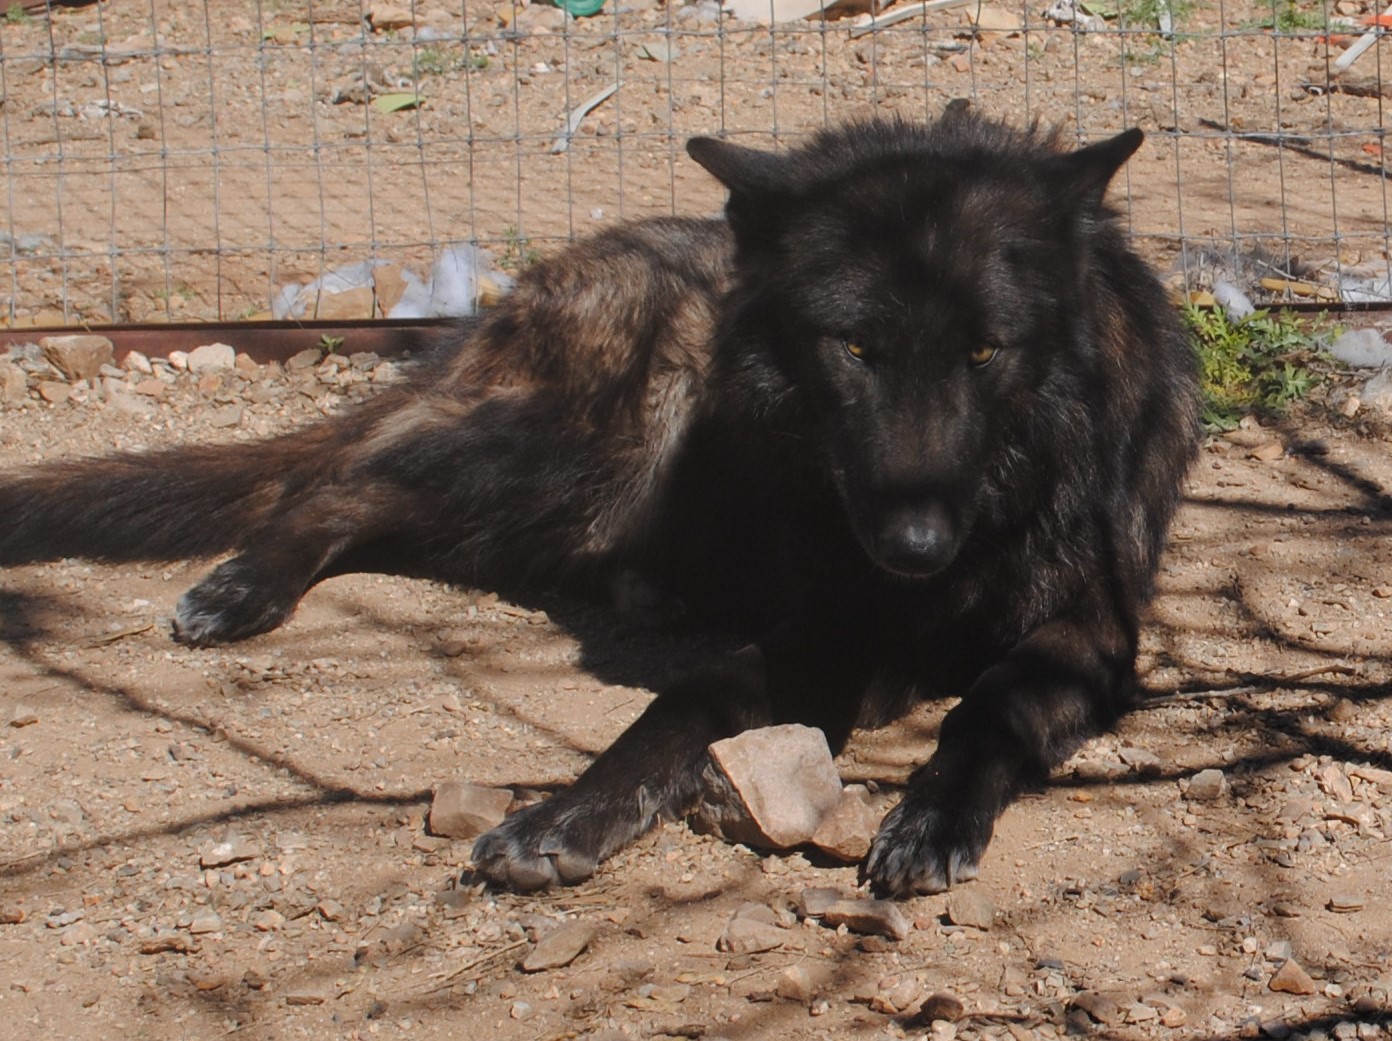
x=210 y=159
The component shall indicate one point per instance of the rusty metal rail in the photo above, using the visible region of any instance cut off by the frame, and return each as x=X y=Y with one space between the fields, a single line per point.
x=263 y=341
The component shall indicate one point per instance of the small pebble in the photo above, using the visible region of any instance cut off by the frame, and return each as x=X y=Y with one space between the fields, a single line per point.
x=971 y=907
x=229 y=851
x=941 y=1007
x=304 y=994
x=1290 y=978
x=559 y=947
x=22 y=715
x=872 y=917
x=205 y=921
x=206 y=979
x=1345 y=903
x=1206 y=786
x=795 y=984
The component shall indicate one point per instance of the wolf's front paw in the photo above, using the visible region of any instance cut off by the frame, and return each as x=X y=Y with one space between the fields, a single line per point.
x=233 y=602
x=537 y=847
x=926 y=848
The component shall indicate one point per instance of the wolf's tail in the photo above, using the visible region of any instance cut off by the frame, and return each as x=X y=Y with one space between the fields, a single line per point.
x=171 y=504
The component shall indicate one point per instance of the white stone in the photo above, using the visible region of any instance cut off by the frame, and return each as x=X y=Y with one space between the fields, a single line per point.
x=211 y=357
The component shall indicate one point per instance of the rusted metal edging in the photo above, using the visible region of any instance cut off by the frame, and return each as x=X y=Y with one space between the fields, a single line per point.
x=1332 y=308
x=278 y=341
x=262 y=341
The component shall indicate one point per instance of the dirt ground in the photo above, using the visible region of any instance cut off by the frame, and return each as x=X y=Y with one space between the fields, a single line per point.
x=197 y=843
x=169 y=161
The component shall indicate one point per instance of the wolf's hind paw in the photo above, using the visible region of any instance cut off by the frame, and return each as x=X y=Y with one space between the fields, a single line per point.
x=531 y=851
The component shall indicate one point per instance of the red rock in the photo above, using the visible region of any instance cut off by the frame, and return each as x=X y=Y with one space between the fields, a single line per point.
x=970 y=907
x=53 y=391
x=461 y=810
x=872 y=917
x=847 y=831
x=14 y=384
x=1290 y=978
x=212 y=357
x=559 y=947
x=78 y=356
x=750 y=936
x=770 y=787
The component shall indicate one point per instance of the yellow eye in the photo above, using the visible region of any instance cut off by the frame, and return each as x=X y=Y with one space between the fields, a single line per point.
x=855 y=350
x=981 y=355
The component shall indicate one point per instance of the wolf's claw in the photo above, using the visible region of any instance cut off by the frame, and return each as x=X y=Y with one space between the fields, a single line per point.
x=535 y=848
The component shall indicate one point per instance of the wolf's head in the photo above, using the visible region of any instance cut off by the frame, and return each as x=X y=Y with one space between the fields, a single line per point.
x=922 y=294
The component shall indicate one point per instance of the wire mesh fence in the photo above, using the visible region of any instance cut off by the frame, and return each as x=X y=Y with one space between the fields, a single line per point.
x=191 y=160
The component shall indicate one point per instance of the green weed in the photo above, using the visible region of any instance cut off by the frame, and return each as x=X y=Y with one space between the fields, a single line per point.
x=1257 y=364
x=441 y=61
x=182 y=290
x=1142 y=14
x=518 y=251
x=434 y=61
x=1288 y=16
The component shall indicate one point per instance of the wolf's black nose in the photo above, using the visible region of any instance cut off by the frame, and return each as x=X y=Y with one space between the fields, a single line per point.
x=917 y=541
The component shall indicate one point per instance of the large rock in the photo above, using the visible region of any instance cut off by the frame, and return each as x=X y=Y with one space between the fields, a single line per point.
x=78 y=356
x=751 y=932
x=769 y=787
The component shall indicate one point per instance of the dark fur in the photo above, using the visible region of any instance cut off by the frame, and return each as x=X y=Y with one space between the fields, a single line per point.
x=677 y=399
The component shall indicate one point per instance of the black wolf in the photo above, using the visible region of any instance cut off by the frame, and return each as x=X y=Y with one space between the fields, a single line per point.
x=913 y=415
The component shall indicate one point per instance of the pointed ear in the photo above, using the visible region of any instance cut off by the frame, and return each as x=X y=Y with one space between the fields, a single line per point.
x=1086 y=173
x=745 y=171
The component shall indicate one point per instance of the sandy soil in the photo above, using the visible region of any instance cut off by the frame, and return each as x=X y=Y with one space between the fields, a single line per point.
x=174 y=161
x=197 y=843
